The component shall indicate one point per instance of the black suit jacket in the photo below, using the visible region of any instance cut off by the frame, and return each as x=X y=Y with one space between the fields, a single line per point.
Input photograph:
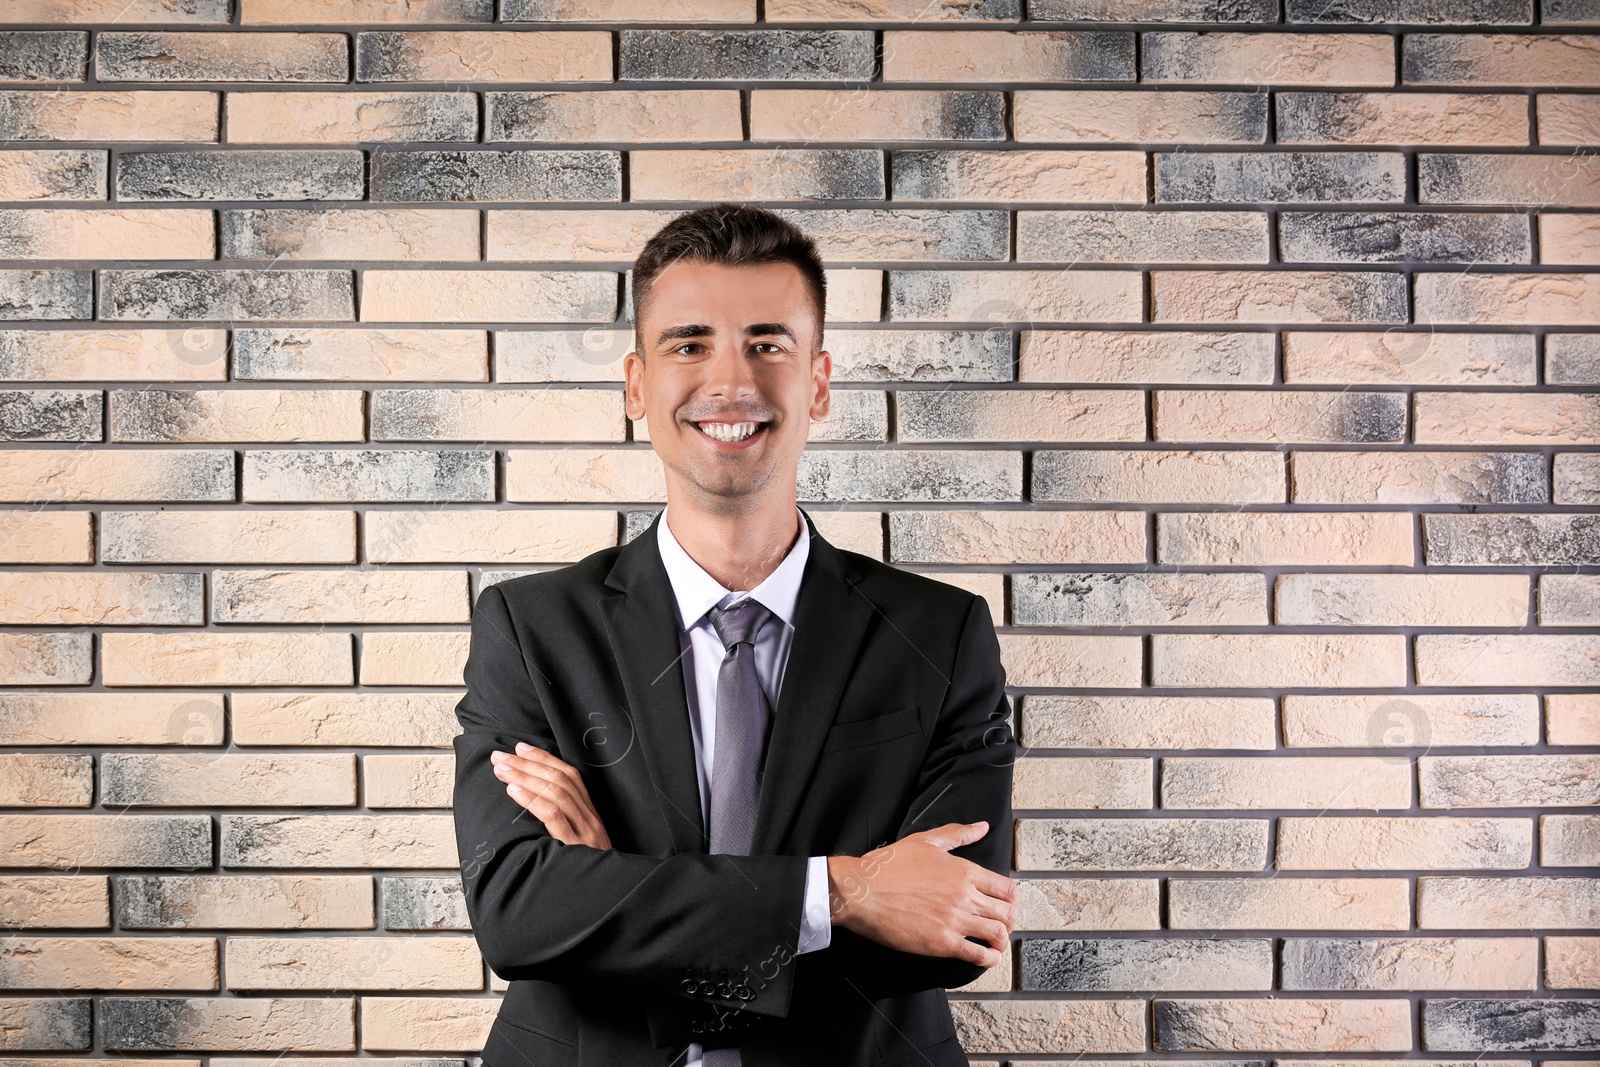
x=892 y=718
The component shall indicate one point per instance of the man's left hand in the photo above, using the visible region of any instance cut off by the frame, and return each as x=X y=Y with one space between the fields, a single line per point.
x=553 y=792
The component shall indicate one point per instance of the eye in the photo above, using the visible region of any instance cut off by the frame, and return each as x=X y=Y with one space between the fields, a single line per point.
x=777 y=348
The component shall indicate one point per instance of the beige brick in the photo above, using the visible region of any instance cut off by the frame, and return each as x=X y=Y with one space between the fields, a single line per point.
x=441 y=1023
x=1572 y=962
x=498 y=536
x=1278 y=660
x=1159 y=475
x=637 y=116
x=211 y=779
x=1390 y=477
x=1507 y=418
x=146 y=659
x=185 y=718
x=1016 y=296
x=28 y=536
x=1398 y=357
x=1027 y=176
x=121 y=840
x=1097 y=1025
x=573 y=475
x=1320 y=782
x=1402 y=600
x=437 y=414
x=1437 y=842
x=1402 y=964
x=46 y=475
x=1568 y=118
x=1023 y=537
x=870 y=115
x=45 y=659
x=1405 y=119
x=414 y=658
x=1084 y=782
x=1416 y=720
x=40 y=780
x=1020 y=415
x=249 y=902
x=1278 y=903
x=992 y=587
x=353 y=354
x=750 y=173
x=1508 y=299
x=120 y=963
x=1290 y=1024
x=260 y=536
x=323 y=117
x=1500 y=903
x=1569 y=239
x=309 y=963
x=1141 y=116
x=386 y=596
x=120 y=233
x=346 y=719
x=1507 y=659
x=408 y=781
x=1269 y=58
x=422 y=841
x=184 y=354
x=1060 y=660
x=113 y=11
x=1282 y=296
x=100 y=598
x=320 y=1024
x=206 y=415
x=1353 y=538
x=1569 y=840
x=232 y=57
x=1264 y=415
x=1148 y=722
x=862 y=531
x=39 y=901
x=357 y=233
x=1514 y=781
x=485 y=56
x=53 y=173
x=488 y=296
x=1140 y=356
x=1089 y=904
x=110 y=115
x=576 y=235
x=854 y=295
x=1572 y=718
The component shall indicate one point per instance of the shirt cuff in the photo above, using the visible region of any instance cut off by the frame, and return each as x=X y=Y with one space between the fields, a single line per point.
x=816 y=922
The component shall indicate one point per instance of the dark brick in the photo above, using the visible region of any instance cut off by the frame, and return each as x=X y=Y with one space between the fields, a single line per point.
x=1133 y=964
x=51 y=414
x=1511 y=540
x=46 y=294
x=268 y=174
x=426 y=903
x=1279 y=177
x=1579 y=12
x=745 y=55
x=1521 y=1025
x=1394 y=237
x=1154 y=10
x=41 y=1024
x=1411 y=12
x=314 y=295
x=210 y=56
x=514 y=175
x=44 y=55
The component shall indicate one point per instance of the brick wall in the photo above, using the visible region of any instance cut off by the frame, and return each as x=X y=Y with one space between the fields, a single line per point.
x=1242 y=353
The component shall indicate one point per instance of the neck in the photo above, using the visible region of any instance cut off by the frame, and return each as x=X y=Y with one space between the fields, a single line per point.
x=737 y=548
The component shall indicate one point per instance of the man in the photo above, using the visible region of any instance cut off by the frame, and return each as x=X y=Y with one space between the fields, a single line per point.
x=728 y=794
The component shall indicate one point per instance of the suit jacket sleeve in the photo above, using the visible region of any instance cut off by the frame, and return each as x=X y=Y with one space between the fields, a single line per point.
x=546 y=910
x=966 y=776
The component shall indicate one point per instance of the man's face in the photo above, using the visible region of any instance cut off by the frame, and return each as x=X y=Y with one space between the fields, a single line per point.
x=726 y=347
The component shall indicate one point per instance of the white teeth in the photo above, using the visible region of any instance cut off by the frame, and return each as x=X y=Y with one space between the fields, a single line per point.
x=729 y=431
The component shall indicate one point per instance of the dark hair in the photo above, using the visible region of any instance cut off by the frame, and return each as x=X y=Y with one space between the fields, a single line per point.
x=733 y=235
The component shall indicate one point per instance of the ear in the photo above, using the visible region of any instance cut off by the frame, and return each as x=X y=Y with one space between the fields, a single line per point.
x=821 y=375
x=633 y=394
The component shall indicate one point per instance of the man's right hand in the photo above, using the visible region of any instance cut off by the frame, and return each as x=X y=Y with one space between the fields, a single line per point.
x=914 y=896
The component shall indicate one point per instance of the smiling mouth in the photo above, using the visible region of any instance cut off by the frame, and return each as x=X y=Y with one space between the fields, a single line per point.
x=730 y=432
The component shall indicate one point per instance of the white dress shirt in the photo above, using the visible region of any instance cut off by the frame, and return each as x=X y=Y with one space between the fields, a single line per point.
x=696 y=592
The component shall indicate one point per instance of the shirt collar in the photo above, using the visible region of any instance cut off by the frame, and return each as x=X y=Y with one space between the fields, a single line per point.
x=697 y=592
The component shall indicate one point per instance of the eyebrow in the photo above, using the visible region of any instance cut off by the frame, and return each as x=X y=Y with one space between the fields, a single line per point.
x=700 y=329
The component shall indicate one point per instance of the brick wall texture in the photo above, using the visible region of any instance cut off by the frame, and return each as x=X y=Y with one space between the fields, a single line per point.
x=1242 y=353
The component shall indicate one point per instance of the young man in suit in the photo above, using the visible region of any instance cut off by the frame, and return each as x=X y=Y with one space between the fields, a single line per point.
x=728 y=794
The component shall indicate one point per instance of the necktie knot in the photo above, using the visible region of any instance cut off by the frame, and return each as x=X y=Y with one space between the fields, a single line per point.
x=738 y=622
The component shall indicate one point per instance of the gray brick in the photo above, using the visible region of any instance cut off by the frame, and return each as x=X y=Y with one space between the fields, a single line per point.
x=1511 y=540
x=1132 y=599
x=1393 y=237
x=1582 y=12
x=895 y=474
x=515 y=175
x=1572 y=359
x=745 y=55
x=1141 y=236
x=44 y=55
x=1279 y=177
x=45 y=1024
x=1142 y=844
x=426 y=903
x=916 y=355
x=1154 y=10
x=51 y=414
x=342 y=475
x=1522 y=1025
x=210 y=56
x=1381 y=963
x=164 y=295
x=1411 y=12
x=1509 y=781
x=1140 y=964
x=267 y=174
x=320 y=1024
x=106 y=840
x=46 y=294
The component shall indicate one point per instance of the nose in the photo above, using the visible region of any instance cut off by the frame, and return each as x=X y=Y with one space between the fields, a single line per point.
x=729 y=373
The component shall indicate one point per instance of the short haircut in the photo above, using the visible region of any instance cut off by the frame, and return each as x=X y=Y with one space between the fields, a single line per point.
x=733 y=235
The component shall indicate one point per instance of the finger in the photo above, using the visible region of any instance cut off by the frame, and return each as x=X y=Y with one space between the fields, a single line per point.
x=991 y=931
x=555 y=818
x=995 y=885
x=994 y=908
x=973 y=952
x=954 y=834
x=536 y=780
x=538 y=757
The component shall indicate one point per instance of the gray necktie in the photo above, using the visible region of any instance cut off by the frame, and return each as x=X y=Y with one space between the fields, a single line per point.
x=743 y=717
